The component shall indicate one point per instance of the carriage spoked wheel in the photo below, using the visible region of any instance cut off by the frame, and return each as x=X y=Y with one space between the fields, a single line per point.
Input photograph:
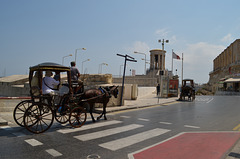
x=19 y=111
x=38 y=118
x=77 y=117
x=62 y=113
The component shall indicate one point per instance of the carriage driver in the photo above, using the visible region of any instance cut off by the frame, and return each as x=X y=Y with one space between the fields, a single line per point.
x=75 y=76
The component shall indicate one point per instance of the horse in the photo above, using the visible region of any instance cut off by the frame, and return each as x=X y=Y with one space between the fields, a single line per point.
x=101 y=95
x=187 y=91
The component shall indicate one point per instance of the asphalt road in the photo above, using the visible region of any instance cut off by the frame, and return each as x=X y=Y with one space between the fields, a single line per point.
x=124 y=132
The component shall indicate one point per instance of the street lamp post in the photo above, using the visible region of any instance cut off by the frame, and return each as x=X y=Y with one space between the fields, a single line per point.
x=120 y=72
x=167 y=41
x=64 y=57
x=83 y=62
x=160 y=76
x=100 y=67
x=76 y=54
x=145 y=59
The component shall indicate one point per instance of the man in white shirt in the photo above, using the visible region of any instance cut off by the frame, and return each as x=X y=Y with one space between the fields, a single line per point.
x=48 y=83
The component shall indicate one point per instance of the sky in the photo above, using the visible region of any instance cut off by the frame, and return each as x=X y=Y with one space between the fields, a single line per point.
x=33 y=32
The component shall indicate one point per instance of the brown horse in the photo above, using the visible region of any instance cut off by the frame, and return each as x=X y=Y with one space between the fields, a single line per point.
x=101 y=95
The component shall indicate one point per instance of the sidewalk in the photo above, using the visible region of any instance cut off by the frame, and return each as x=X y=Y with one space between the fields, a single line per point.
x=145 y=101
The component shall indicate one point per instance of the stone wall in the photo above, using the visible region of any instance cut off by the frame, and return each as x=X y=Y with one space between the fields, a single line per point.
x=229 y=56
x=145 y=81
x=18 y=85
x=96 y=79
x=225 y=65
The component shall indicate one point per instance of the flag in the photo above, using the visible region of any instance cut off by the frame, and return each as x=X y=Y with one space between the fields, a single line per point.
x=175 y=56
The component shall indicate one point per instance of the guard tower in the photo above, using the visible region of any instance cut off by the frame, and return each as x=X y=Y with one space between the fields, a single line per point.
x=157 y=59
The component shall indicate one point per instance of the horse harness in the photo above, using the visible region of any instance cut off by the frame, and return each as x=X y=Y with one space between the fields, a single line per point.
x=105 y=92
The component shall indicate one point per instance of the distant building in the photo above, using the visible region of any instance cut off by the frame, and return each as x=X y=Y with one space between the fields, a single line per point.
x=156 y=74
x=226 y=69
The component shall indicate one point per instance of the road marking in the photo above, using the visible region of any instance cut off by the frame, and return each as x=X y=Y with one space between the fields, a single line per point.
x=53 y=152
x=130 y=140
x=108 y=132
x=90 y=126
x=142 y=119
x=209 y=100
x=125 y=117
x=236 y=127
x=190 y=126
x=167 y=123
x=33 y=142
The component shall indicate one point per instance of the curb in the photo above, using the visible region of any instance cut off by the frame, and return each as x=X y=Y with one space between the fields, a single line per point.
x=133 y=107
x=3 y=122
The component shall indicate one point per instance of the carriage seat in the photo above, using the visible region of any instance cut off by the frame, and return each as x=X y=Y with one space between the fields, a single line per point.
x=75 y=84
x=35 y=91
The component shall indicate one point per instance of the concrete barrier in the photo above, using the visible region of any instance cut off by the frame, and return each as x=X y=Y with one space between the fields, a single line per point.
x=7 y=104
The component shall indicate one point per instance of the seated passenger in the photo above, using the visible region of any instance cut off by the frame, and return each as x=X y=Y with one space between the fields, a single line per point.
x=48 y=83
x=34 y=85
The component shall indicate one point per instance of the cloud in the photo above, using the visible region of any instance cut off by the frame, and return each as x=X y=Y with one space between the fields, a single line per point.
x=198 y=60
x=227 y=38
x=139 y=47
x=162 y=32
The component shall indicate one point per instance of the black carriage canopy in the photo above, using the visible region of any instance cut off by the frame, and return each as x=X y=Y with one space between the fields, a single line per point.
x=50 y=66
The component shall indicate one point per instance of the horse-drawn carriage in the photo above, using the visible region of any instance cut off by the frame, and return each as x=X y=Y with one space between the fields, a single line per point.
x=187 y=90
x=66 y=104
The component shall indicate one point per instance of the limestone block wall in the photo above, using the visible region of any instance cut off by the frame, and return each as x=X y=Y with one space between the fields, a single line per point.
x=139 y=80
x=96 y=79
x=226 y=64
x=14 y=86
x=6 y=89
x=229 y=56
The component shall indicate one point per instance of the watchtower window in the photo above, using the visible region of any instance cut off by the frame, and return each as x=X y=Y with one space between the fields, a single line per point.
x=156 y=58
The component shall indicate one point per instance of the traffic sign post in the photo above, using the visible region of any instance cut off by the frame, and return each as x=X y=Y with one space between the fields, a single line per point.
x=127 y=58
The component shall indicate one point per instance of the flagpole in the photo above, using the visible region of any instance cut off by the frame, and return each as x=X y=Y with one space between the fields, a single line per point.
x=172 y=61
x=182 y=66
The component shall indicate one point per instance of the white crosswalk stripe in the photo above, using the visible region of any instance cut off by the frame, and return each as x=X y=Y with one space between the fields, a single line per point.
x=130 y=140
x=91 y=126
x=116 y=130
x=107 y=132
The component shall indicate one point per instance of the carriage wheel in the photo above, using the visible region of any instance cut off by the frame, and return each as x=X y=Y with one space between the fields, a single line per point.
x=77 y=117
x=19 y=111
x=62 y=113
x=38 y=118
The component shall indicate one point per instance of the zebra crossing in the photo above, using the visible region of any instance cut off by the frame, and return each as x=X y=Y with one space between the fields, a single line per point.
x=117 y=134
x=134 y=139
x=119 y=143
x=204 y=99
